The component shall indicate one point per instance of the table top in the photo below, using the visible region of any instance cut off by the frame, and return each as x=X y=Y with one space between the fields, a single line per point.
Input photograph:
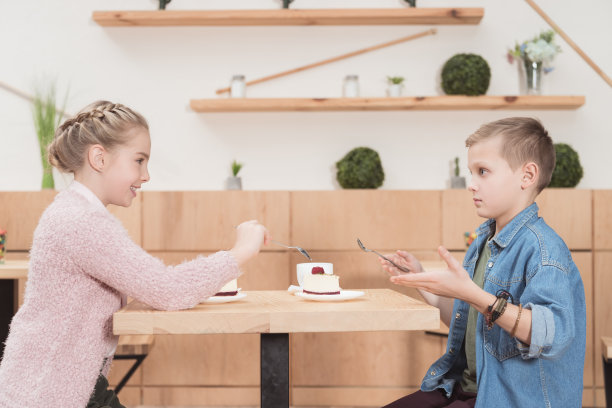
x=281 y=312
x=14 y=269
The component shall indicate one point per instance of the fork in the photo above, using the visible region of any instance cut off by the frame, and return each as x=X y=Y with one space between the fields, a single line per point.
x=401 y=268
x=301 y=250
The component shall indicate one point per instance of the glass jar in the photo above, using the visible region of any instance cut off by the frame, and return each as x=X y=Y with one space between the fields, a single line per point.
x=351 y=86
x=237 y=87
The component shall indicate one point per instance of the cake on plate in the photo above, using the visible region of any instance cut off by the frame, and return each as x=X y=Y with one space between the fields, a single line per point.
x=229 y=289
x=317 y=282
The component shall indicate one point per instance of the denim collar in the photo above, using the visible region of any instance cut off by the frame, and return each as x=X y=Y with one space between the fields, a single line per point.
x=510 y=230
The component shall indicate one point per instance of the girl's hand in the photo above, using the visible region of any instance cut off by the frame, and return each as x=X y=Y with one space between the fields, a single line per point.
x=250 y=236
x=453 y=282
x=401 y=258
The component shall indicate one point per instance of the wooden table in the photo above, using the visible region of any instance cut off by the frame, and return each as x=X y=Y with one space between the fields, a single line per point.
x=10 y=294
x=275 y=314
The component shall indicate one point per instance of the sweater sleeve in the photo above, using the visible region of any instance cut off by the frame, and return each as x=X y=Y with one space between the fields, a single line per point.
x=102 y=248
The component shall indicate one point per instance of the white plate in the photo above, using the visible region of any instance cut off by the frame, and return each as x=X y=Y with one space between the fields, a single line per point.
x=225 y=299
x=344 y=295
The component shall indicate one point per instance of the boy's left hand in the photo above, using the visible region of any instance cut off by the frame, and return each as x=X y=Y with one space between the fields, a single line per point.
x=453 y=282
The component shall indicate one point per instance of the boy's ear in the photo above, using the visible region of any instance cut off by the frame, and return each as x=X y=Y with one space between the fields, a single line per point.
x=96 y=157
x=530 y=174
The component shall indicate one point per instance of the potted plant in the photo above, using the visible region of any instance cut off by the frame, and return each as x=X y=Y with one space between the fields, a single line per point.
x=360 y=168
x=535 y=55
x=46 y=119
x=234 y=182
x=466 y=74
x=568 y=170
x=396 y=86
x=456 y=180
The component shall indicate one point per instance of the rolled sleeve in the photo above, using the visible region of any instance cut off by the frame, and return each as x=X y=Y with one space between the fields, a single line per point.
x=542 y=332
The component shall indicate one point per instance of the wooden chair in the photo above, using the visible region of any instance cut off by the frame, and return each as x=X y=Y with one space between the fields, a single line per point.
x=135 y=347
x=606 y=351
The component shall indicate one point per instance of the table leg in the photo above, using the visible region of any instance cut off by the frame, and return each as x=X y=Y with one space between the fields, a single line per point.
x=274 y=370
x=607 y=366
x=7 y=294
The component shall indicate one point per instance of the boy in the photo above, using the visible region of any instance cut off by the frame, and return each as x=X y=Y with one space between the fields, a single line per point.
x=518 y=324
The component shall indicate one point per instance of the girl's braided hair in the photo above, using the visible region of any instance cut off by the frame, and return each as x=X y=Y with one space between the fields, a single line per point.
x=101 y=122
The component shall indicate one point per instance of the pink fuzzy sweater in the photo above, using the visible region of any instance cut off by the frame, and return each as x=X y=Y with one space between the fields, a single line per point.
x=82 y=261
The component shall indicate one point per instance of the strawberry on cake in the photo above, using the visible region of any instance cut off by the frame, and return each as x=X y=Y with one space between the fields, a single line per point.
x=317 y=282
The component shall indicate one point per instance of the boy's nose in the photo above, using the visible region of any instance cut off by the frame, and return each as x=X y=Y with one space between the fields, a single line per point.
x=472 y=187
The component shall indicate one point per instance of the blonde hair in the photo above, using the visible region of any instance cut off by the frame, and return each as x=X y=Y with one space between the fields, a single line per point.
x=101 y=122
x=524 y=140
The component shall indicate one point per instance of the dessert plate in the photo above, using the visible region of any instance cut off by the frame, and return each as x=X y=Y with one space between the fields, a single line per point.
x=344 y=295
x=225 y=299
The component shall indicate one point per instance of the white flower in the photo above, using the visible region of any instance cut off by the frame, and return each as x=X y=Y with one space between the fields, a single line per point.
x=540 y=50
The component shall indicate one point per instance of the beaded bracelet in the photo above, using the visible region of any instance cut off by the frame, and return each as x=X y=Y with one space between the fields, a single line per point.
x=518 y=317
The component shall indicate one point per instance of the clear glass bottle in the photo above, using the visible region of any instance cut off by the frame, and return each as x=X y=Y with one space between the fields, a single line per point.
x=237 y=87
x=351 y=86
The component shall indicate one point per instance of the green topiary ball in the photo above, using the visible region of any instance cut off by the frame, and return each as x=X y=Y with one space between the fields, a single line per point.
x=568 y=170
x=360 y=168
x=466 y=74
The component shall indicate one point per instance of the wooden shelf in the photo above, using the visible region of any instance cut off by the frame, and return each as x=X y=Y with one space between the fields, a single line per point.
x=284 y=17
x=444 y=102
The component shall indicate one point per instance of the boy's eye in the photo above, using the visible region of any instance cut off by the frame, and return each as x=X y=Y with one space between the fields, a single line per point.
x=482 y=171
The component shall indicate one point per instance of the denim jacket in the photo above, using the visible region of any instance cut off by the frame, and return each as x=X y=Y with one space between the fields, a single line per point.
x=529 y=260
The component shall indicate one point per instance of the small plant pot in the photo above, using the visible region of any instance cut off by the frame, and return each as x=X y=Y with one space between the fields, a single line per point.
x=234 y=183
x=457 y=182
x=395 y=90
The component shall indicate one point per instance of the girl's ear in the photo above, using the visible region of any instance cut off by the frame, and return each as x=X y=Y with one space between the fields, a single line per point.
x=96 y=155
x=530 y=174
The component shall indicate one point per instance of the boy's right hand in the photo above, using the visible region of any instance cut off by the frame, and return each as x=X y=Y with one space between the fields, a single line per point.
x=250 y=235
x=401 y=258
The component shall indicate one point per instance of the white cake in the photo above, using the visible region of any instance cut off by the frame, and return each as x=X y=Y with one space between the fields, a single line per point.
x=319 y=283
x=229 y=289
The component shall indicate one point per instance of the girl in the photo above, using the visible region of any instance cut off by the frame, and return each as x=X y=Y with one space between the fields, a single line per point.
x=83 y=265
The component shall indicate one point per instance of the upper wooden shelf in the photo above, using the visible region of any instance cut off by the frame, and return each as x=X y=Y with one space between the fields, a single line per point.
x=444 y=102
x=288 y=17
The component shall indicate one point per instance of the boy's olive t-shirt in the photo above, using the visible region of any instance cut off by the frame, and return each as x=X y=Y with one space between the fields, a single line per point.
x=468 y=382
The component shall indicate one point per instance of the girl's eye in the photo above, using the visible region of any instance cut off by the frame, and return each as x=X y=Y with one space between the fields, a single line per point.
x=140 y=161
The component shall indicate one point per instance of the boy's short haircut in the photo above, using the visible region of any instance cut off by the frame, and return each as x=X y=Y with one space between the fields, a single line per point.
x=524 y=140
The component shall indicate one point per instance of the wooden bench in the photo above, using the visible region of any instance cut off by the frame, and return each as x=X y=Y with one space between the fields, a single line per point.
x=136 y=347
x=606 y=351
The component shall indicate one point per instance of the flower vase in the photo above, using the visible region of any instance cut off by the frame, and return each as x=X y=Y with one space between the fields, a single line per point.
x=533 y=77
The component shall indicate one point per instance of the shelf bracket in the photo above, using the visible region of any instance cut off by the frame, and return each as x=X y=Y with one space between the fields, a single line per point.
x=286 y=3
x=162 y=4
x=412 y=3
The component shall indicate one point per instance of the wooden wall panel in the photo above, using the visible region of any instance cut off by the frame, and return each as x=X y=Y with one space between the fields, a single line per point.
x=22 y=210
x=205 y=220
x=567 y=211
x=602 y=219
x=19 y=215
x=584 y=262
x=458 y=217
x=603 y=306
x=234 y=396
x=332 y=220
x=570 y=213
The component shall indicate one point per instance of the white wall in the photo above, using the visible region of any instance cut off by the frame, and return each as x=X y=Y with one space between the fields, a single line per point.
x=158 y=70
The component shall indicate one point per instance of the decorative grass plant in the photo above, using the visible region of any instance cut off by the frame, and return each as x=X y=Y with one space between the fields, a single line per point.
x=46 y=120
